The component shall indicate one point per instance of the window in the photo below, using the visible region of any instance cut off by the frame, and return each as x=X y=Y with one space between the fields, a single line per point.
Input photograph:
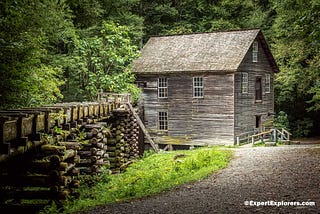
x=258 y=89
x=255 y=48
x=244 y=83
x=198 y=87
x=268 y=84
x=163 y=120
x=162 y=87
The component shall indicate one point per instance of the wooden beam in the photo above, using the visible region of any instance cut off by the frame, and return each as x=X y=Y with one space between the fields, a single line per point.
x=143 y=128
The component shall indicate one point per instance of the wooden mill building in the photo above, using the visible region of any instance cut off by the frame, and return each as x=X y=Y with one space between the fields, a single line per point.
x=206 y=88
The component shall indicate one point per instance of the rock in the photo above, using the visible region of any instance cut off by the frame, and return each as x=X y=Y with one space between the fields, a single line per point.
x=270 y=143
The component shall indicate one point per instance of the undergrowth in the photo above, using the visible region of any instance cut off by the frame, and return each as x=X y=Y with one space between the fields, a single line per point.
x=152 y=174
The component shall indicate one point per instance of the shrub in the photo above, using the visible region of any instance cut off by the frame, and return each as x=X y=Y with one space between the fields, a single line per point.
x=302 y=128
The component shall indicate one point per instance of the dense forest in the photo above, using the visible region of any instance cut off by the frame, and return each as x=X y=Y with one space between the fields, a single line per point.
x=68 y=50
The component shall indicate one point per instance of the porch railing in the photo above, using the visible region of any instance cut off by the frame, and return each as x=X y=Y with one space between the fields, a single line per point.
x=272 y=134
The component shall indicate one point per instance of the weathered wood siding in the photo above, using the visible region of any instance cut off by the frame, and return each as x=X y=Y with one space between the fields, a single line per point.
x=207 y=120
x=246 y=107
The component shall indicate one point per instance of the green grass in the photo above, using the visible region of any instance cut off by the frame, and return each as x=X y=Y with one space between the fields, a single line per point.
x=150 y=175
x=259 y=144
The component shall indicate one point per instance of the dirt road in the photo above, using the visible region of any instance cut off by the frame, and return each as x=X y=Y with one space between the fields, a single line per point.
x=259 y=174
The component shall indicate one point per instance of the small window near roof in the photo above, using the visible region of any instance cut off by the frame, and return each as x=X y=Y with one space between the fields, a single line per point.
x=244 y=83
x=198 y=87
x=162 y=87
x=255 y=49
x=268 y=84
x=163 y=120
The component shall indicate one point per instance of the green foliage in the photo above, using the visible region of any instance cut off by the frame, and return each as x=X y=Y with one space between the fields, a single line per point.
x=60 y=131
x=53 y=209
x=86 y=13
x=296 y=48
x=303 y=128
x=81 y=136
x=102 y=61
x=259 y=144
x=151 y=175
x=176 y=17
x=67 y=50
x=28 y=35
x=281 y=120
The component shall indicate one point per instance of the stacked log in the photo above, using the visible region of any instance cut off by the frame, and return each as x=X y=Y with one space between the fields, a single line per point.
x=49 y=175
x=133 y=137
x=116 y=147
x=93 y=154
x=41 y=156
x=123 y=146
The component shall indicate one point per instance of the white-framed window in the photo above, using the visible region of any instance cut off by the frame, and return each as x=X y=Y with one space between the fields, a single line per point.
x=163 y=120
x=255 y=48
x=162 y=87
x=268 y=84
x=244 y=83
x=198 y=87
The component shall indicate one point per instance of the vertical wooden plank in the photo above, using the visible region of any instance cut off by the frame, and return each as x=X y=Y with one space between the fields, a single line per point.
x=2 y=122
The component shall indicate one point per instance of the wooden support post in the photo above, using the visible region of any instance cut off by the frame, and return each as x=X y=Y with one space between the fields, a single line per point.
x=275 y=135
x=2 y=122
x=282 y=135
x=19 y=127
x=34 y=123
x=238 y=140
x=47 y=121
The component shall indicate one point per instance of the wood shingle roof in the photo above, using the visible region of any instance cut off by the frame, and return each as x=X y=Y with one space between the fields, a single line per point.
x=205 y=52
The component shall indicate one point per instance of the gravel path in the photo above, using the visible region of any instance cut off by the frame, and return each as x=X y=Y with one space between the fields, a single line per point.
x=286 y=173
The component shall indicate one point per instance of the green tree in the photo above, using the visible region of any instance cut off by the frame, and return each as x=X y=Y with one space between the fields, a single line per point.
x=102 y=62
x=297 y=50
x=185 y=16
x=30 y=32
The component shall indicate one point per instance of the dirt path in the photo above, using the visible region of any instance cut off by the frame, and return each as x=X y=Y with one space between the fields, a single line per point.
x=286 y=173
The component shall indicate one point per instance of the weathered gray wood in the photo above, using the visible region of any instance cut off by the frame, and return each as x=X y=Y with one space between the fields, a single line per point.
x=223 y=113
x=143 y=128
x=246 y=108
x=188 y=117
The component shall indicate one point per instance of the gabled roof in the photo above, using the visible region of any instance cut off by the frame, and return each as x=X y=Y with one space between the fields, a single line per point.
x=205 y=52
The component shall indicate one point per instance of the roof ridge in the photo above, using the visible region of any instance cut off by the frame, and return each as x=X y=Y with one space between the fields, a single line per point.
x=213 y=51
x=217 y=31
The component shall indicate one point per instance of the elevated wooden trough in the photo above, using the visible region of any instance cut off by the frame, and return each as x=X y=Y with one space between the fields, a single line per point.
x=45 y=150
x=19 y=126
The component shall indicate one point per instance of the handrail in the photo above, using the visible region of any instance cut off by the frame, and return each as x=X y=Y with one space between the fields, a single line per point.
x=245 y=133
x=262 y=133
x=247 y=137
x=284 y=135
x=114 y=97
x=286 y=131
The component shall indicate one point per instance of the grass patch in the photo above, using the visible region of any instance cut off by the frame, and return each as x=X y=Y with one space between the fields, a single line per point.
x=259 y=144
x=150 y=175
